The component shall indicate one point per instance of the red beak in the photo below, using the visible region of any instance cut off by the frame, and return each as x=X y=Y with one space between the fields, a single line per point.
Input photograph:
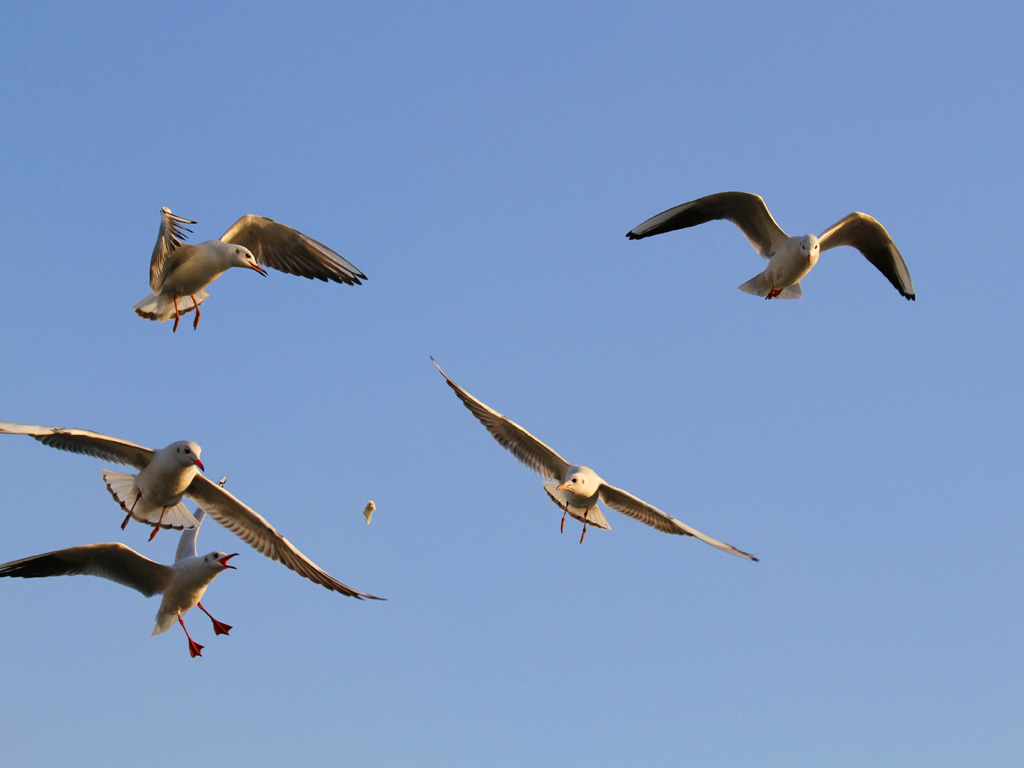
x=200 y=465
x=224 y=560
x=259 y=269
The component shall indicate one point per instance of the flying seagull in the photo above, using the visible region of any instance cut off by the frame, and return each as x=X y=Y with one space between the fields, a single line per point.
x=789 y=258
x=167 y=471
x=182 y=584
x=575 y=489
x=179 y=272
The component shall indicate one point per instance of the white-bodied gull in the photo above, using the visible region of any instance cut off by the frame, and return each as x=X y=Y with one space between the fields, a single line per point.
x=575 y=489
x=218 y=503
x=789 y=258
x=368 y=510
x=180 y=272
x=182 y=584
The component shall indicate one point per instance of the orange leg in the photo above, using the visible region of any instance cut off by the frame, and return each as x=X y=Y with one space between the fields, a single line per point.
x=156 y=525
x=176 y=315
x=219 y=627
x=194 y=648
x=584 y=527
x=563 y=520
x=195 y=323
x=132 y=509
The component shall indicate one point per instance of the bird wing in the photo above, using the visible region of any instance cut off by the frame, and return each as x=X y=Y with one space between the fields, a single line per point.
x=630 y=505
x=247 y=525
x=288 y=250
x=864 y=233
x=167 y=240
x=528 y=449
x=113 y=561
x=187 y=542
x=84 y=441
x=746 y=211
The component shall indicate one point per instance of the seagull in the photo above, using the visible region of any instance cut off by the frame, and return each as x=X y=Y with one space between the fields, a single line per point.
x=575 y=489
x=162 y=473
x=179 y=272
x=789 y=258
x=182 y=584
x=368 y=511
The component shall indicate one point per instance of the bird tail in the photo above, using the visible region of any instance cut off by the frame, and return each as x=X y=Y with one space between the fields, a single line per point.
x=157 y=307
x=759 y=286
x=122 y=488
x=589 y=515
x=164 y=621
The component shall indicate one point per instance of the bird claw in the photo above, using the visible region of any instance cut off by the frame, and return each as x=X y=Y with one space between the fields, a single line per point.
x=219 y=627
x=194 y=648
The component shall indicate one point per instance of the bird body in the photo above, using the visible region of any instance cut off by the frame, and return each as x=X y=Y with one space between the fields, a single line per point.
x=789 y=258
x=181 y=272
x=182 y=584
x=165 y=472
x=576 y=489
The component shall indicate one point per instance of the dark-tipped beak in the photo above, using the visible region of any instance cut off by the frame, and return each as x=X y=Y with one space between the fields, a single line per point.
x=259 y=269
x=200 y=465
x=224 y=560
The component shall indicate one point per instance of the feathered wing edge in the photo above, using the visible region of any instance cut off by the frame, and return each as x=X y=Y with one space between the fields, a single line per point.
x=255 y=531
x=630 y=505
x=539 y=457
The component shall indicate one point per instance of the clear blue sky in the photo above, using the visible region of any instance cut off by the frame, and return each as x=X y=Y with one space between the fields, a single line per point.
x=482 y=164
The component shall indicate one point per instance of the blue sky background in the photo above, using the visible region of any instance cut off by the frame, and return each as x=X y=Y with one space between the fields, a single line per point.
x=482 y=164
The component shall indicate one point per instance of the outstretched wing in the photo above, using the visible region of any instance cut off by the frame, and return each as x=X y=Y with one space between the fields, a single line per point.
x=288 y=250
x=112 y=561
x=745 y=210
x=628 y=504
x=528 y=449
x=251 y=528
x=85 y=442
x=864 y=233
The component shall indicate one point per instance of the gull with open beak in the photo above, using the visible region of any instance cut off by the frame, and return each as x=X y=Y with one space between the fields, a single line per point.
x=577 y=489
x=182 y=584
x=172 y=471
x=180 y=272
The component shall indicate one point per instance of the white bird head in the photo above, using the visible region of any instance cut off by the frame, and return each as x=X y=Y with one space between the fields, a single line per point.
x=582 y=481
x=186 y=453
x=218 y=560
x=810 y=248
x=234 y=255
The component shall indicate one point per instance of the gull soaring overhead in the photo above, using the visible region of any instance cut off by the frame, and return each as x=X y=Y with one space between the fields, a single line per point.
x=182 y=584
x=179 y=272
x=789 y=258
x=575 y=489
x=161 y=472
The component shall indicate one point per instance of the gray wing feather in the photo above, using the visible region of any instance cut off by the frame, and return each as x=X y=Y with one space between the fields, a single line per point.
x=864 y=233
x=745 y=210
x=287 y=250
x=251 y=528
x=170 y=237
x=528 y=449
x=85 y=442
x=630 y=505
x=112 y=561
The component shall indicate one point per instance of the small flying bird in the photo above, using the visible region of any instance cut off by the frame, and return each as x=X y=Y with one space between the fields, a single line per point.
x=182 y=584
x=789 y=258
x=172 y=472
x=179 y=272
x=575 y=489
x=368 y=511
